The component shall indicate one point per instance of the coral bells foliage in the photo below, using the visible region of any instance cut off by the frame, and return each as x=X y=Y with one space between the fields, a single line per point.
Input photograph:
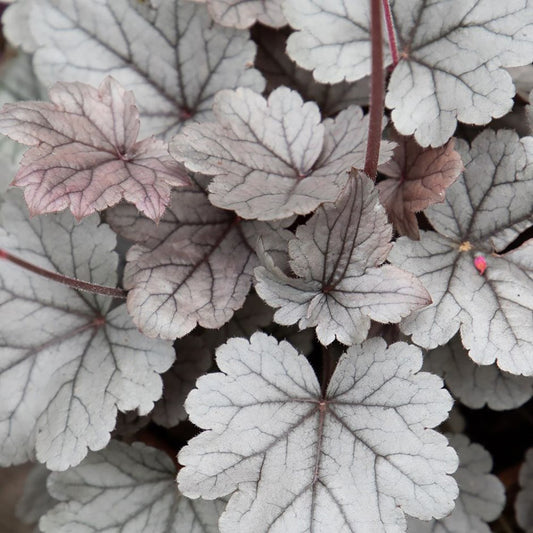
x=231 y=260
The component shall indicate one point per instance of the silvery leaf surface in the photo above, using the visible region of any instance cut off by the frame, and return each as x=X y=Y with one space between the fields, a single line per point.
x=245 y=13
x=481 y=494
x=126 y=488
x=484 y=211
x=274 y=158
x=193 y=268
x=84 y=154
x=337 y=282
x=172 y=57
x=68 y=361
x=354 y=459
x=451 y=56
x=475 y=385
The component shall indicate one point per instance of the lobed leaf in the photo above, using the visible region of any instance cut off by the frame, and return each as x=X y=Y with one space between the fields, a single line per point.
x=84 y=152
x=451 y=56
x=484 y=211
x=173 y=57
x=417 y=178
x=481 y=495
x=476 y=385
x=125 y=488
x=273 y=158
x=340 y=284
x=524 y=498
x=194 y=267
x=69 y=361
x=354 y=459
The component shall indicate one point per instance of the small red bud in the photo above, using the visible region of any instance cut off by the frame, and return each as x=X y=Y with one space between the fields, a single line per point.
x=481 y=264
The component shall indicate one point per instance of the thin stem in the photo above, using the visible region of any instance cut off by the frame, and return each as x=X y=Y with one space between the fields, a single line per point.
x=71 y=282
x=390 y=32
x=377 y=86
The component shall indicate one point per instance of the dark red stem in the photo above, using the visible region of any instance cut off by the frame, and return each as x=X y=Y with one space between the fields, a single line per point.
x=390 y=32
x=71 y=282
x=377 y=86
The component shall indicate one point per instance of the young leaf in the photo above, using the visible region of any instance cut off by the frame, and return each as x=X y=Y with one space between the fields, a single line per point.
x=174 y=58
x=356 y=459
x=484 y=211
x=194 y=267
x=279 y=69
x=126 y=488
x=84 y=152
x=68 y=361
x=451 y=54
x=273 y=158
x=417 y=178
x=476 y=385
x=524 y=499
x=193 y=360
x=341 y=284
x=243 y=14
x=481 y=495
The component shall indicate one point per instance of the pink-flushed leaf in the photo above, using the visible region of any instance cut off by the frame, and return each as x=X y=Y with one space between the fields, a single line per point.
x=340 y=281
x=193 y=268
x=274 y=158
x=417 y=178
x=475 y=287
x=84 y=154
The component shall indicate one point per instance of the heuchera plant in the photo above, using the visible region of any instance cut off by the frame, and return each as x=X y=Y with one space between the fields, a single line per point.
x=245 y=251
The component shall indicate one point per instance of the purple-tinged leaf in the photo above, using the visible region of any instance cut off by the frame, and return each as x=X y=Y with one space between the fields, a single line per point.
x=126 y=488
x=417 y=178
x=481 y=494
x=340 y=284
x=355 y=459
x=484 y=211
x=194 y=267
x=273 y=158
x=84 y=154
x=451 y=56
x=69 y=362
x=524 y=498
x=279 y=69
x=245 y=13
x=476 y=385
x=174 y=58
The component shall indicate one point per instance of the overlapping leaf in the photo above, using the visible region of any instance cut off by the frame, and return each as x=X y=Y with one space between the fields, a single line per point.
x=481 y=495
x=173 y=57
x=17 y=82
x=355 y=459
x=476 y=385
x=84 y=152
x=194 y=267
x=340 y=284
x=68 y=361
x=245 y=13
x=279 y=69
x=417 y=178
x=273 y=158
x=451 y=54
x=524 y=498
x=126 y=488
x=484 y=211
